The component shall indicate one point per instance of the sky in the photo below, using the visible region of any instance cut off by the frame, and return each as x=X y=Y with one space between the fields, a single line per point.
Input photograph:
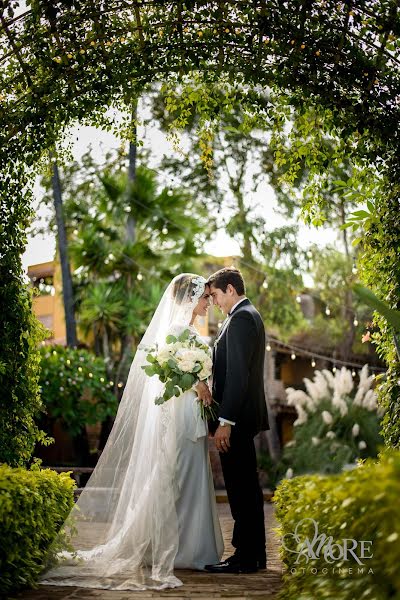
x=41 y=248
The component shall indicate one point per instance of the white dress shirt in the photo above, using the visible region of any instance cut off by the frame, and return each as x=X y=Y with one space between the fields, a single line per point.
x=221 y=419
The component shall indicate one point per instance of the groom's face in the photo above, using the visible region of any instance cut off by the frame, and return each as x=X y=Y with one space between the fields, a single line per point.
x=224 y=300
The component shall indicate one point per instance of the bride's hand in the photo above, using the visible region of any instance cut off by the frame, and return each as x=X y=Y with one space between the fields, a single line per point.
x=203 y=393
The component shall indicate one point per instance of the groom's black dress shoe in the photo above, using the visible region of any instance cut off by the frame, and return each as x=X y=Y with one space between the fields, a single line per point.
x=232 y=565
x=234 y=559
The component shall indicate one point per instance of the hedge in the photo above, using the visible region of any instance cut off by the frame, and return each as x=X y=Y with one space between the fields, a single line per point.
x=360 y=504
x=33 y=505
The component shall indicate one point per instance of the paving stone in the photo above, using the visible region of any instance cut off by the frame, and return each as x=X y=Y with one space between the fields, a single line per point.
x=197 y=585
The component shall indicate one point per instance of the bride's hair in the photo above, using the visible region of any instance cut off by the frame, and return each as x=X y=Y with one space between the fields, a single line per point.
x=183 y=287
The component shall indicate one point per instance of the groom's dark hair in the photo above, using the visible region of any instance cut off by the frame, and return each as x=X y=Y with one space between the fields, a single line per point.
x=229 y=275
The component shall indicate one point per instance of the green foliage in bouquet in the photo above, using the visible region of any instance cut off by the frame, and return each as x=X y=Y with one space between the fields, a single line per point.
x=335 y=426
x=75 y=387
x=361 y=504
x=180 y=364
x=33 y=506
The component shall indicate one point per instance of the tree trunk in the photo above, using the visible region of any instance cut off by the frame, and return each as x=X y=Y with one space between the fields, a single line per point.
x=68 y=295
x=128 y=340
x=347 y=312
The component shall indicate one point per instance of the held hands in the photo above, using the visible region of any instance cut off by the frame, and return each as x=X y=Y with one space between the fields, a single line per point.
x=221 y=438
x=203 y=393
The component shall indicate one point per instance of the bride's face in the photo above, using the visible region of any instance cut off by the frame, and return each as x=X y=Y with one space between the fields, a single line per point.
x=203 y=304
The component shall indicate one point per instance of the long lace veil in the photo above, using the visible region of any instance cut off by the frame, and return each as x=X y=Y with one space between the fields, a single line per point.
x=124 y=525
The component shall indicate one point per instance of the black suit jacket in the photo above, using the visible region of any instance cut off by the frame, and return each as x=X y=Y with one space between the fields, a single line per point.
x=238 y=370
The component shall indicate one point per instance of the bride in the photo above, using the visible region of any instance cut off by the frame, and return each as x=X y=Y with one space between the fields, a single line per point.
x=149 y=505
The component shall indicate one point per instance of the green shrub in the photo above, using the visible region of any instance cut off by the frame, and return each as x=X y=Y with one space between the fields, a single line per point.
x=20 y=401
x=337 y=423
x=361 y=504
x=33 y=505
x=75 y=387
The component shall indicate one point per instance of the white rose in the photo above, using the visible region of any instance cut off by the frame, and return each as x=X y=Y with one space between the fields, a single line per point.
x=331 y=435
x=355 y=430
x=315 y=441
x=204 y=373
x=163 y=356
x=289 y=473
x=362 y=445
x=186 y=365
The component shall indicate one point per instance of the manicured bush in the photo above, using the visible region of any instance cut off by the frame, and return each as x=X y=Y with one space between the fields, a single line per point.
x=33 y=505
x=360 y=504
x=20 y=401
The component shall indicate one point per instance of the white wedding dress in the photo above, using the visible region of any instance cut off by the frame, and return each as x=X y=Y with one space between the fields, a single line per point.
x=149 y=506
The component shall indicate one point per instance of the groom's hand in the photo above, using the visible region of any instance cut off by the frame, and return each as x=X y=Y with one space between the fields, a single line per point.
x=221 y=438
x=203 y=393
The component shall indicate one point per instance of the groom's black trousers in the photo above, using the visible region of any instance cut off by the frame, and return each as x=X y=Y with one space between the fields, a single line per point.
x=239 y=467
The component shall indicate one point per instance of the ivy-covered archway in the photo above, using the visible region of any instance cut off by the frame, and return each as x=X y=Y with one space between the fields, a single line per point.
x=67 y=60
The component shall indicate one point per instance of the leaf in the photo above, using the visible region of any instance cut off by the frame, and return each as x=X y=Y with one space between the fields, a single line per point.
x=149 y=370
x=356 y=241
x=184 y=335
x=187 y=381
x=346 y=225
x=171 y=363
x=391 y=315
x=361 y=213
x=150 y=358
x=171 y=339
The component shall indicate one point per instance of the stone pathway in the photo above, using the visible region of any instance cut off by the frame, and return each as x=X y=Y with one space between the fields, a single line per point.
x=197 y=585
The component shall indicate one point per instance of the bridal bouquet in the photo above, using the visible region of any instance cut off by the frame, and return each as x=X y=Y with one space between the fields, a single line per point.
x=181 y=363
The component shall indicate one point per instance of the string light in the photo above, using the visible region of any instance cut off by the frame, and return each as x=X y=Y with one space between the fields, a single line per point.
x=298 y=299
x=355 y=322
x=354 y=270
x=334 y=369
x=313 y=363
x=293 y=356
x=353 y=373
x=139 y=276
x=164 y=230
x=327 y=311
x=175 y=181
x=268 y=347
x=299 y=351
x=120 y=385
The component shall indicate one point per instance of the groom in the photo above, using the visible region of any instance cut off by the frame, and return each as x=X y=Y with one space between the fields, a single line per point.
x=238 y=387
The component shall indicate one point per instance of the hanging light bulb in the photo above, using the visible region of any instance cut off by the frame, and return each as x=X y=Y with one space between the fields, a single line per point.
x=293 y=356
x=334 y=369
x=219 y=324
x=298 y=299
x=313 y=363
x=353 y=373
x=354 y=270
x=373 y=375
x=265 y=284
x=139 y=276
x=268 y=348
x=164 y=230
x=327 y=311
x=355 y=322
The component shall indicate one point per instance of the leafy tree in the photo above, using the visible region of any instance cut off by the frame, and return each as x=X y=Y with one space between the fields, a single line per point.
x=117 y=279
